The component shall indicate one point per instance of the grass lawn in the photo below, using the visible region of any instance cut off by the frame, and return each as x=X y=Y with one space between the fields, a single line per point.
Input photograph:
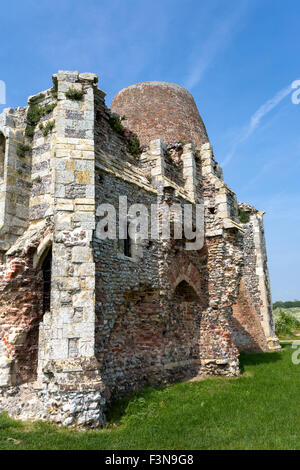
x=259 y=410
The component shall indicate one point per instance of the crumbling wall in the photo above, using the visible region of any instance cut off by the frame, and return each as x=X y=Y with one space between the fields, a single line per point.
x=146 y=333
x=42 y=145
x=21 y=309
x=119 y=318
x=15 y=178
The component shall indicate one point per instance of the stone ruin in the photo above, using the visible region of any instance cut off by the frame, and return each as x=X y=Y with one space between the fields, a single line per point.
x=85 y=320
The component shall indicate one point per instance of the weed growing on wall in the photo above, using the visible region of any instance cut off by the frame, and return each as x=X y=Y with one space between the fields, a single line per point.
x=75 y=95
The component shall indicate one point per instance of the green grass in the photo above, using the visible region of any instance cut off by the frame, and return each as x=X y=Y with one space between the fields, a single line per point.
x=259 y=410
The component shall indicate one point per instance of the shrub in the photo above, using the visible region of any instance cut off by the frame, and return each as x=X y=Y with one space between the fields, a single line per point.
x=34 y=114
x=133 y=146
x=116 y=124
x=73 y=94
x=47 y=128
x=54 y=90
x=29 y=131
x=285 y=322
x=22 y=149
x=288 y=304
x=48 y=108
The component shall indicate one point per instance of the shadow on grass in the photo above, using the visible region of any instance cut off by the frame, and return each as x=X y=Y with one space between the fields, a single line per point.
x=255 y=359
x=120 y=407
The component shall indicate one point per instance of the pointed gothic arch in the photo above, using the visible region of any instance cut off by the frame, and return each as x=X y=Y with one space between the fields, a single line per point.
x=184 y=292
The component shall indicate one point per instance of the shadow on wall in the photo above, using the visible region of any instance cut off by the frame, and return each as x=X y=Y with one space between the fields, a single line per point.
x=247 y=330
x=244 y=340
x=148 y=348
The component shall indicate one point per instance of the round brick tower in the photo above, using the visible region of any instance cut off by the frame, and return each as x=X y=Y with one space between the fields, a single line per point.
x=160 y=110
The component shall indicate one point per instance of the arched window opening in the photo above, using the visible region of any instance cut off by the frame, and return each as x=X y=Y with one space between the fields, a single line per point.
x=2 y=154
x=46 y=269
x=184 y=292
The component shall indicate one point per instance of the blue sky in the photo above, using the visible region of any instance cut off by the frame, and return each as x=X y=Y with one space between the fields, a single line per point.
x=237 y=57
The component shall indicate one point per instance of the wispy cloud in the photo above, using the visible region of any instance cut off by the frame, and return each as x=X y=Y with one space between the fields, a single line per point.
x=256 y=119
x=221 y=34
x=265 y=169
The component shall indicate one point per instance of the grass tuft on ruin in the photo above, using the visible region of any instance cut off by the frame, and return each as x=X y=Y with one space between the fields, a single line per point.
x=134 y=146
x=22 y=149
x=73 y=94
x=115 y=122
x=47 y=127
x=244 y=216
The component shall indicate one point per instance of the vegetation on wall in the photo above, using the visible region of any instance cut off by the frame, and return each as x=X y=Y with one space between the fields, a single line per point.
x=75 y=95
x=35 y=113
x=115 y=122
x=22 y=149
x=37 y=180
x=47 y=128
x=244 y=216
x=133 y=143
x=134 y=146
x=54 y=90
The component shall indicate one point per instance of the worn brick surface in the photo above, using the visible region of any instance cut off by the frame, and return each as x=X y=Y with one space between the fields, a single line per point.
x=160 y=110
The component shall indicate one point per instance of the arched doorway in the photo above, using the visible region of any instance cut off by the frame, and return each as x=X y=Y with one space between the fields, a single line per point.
x=184 y=292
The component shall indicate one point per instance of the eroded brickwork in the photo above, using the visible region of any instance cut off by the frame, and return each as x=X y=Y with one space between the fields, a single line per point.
x=21 y=309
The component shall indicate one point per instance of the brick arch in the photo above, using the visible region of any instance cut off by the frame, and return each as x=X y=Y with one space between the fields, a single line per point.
x=184 y=292
x=184 y=270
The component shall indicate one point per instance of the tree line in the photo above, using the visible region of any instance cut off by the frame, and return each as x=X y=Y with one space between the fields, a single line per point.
x=288 y=304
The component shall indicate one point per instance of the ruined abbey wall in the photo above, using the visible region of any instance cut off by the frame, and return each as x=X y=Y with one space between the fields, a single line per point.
x=253 y=324
x=84 y=320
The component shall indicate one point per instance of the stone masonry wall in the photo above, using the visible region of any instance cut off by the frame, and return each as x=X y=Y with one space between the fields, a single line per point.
x=253 y=317
x=145 y=332
x=119 y=318
x=15 y=181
